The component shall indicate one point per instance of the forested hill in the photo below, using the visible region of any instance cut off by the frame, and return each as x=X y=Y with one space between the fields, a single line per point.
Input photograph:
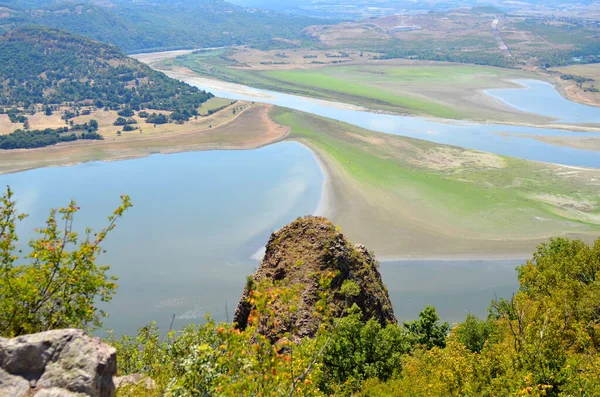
x=158 y=24
x=46 y=66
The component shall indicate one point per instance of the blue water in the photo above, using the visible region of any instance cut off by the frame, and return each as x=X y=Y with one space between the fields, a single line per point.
x=485 y=137
x=542 y=98
x=454 y=288
x=185 y=247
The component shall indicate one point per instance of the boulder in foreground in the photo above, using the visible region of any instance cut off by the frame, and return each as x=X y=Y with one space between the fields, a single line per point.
x=60 y=363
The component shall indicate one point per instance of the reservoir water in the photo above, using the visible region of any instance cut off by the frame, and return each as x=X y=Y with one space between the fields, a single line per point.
x=506 y=140
x=186 y=246
x=542 y=98
x=454 y=288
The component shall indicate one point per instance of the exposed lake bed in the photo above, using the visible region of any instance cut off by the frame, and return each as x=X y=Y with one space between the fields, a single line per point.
x=205 y=214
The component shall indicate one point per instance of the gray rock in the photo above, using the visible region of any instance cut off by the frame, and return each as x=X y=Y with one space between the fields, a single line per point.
x=12 y=385
x=61 y=361
x=135 y=380
x=56 y=392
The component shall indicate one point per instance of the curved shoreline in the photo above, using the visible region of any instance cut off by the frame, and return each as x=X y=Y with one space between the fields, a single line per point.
x=208 y=83
x=326 y=207
x=336 y=184
x=528 y=84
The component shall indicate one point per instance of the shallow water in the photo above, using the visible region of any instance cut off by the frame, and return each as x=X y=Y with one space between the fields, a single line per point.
x=185 y=246
x=542 y=98
x=454 y=288
x=485 y=137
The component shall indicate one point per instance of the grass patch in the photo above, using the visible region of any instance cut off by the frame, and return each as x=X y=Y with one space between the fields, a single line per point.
x=453 y=187
x=213 y=104
x=326 y=82
x=428 y=89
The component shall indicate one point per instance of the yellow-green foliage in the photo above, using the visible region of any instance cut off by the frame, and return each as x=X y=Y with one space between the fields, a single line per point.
x=218 y=359
x=58 y=283
x=545 y=343
x=542 y=342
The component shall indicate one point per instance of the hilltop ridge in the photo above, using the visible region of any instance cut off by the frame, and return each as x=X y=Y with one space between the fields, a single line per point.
x=47 y=66
x=152 y=25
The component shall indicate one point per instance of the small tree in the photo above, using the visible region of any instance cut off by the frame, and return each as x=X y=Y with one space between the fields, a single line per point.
x=474 y=333
x=93 y=124
x=359 y=351
x=126 y=112
x=426 y=330
x=58 y=283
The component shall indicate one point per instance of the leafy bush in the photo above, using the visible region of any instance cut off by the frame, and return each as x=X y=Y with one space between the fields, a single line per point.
x=58 y=283
x=126 y=112
x=221 y=360
x=473 y=333
x=359 y=351
x=157 y=118
x=426 y=331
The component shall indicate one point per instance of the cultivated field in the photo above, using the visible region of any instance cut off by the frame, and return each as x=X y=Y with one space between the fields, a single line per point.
x=480 y=35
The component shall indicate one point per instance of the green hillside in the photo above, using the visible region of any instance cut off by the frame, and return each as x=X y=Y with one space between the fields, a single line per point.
x=52 y=67
x=152 y=24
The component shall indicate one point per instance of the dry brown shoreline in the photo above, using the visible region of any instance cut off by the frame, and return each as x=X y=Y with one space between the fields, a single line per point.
x=250 y=129
x=362 y=213
x=346 y=204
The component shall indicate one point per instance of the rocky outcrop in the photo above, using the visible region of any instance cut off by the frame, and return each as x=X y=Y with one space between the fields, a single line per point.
x=298 y=254
x=62 y=363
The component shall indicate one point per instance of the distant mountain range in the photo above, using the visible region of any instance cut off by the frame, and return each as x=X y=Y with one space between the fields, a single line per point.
x=358 y=9
x=145 y=25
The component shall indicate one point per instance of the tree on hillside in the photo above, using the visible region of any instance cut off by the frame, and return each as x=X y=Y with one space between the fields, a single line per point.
x=93 y=124
x=120 y=121
x=58 y=283
x=126 y=112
